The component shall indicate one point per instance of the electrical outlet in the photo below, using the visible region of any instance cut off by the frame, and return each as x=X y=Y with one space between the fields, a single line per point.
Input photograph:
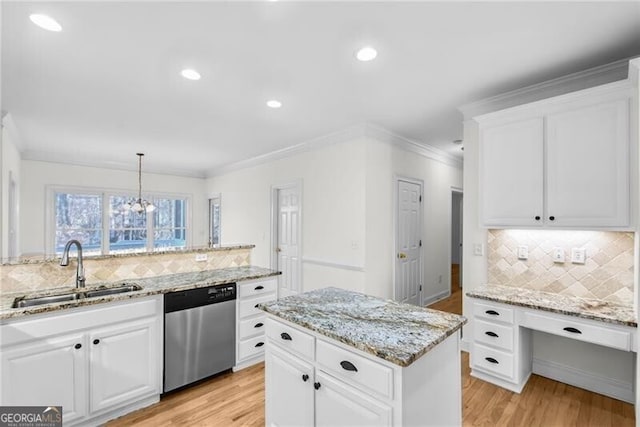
x=201 y=257
x=558 y=255
x=578 y=255
x=478 y=249
x=523 y=252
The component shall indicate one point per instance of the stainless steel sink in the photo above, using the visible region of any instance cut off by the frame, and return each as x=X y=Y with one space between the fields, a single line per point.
x=22 y=302
x=112 y=291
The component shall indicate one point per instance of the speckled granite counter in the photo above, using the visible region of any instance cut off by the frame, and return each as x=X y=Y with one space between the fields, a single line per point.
x=580 y=307
x=399 y=333
x=150 y=286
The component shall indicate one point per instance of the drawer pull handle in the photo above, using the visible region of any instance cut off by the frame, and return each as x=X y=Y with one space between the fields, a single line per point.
x=492 y=313
x=78 y=346
x=491 y=360
x=305 y=377
x=552 y=218
x=96 y=341
x=491 y=334
x=260 y=344
x=348 y=366
x=285 y=336
x=572 y=330
x=258 y=325
x=316 y=385
x=256 y=306
x=259 y=287
x=537 y=217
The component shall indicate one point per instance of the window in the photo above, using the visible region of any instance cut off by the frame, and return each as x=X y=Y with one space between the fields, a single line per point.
x=81 y=216
x=214 y=221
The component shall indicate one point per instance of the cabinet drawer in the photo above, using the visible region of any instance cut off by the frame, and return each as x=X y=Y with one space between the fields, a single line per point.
x=249 y=307
x=354 y=369
x=251 y=347
x=257 y=288
x=251 y=327
x=493 y=312
x=493 y=334
x=492 y=360
x=290 y=338
x=578 y=330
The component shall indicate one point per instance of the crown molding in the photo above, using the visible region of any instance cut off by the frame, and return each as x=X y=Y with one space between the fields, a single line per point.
x=74 y=160
x=591 y=77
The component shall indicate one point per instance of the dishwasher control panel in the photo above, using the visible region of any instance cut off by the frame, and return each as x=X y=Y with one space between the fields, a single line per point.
x=183 y=300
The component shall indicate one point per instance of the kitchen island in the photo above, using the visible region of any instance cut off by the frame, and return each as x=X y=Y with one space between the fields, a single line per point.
x=337 y=357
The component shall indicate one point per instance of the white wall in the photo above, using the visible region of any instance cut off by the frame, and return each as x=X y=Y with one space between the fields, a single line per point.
x=347 y=212
x=10 y=160
x=37 y=175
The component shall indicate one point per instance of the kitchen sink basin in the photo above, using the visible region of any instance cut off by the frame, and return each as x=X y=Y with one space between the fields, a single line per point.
x=22 y=302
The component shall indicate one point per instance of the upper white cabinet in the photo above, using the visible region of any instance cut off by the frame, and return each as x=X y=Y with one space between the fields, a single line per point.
x=562 y=162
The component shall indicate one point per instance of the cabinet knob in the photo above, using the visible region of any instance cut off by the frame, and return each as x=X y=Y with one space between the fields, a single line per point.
x=537 y=217
x=96 y=341
x=305 y=377
x=552 y=218
x=256 y=306
x=316 y=385
x=77 y=346
x=285 y=336
x=348 y=366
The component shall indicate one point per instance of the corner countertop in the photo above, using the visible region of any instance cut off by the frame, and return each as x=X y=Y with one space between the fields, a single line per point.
x=150 y=286
x=593 y=309
x=398 y=333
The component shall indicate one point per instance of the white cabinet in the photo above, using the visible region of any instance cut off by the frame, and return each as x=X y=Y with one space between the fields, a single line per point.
x=93 y=361
x=250 y=322
x=562 y=162
x=312 y=380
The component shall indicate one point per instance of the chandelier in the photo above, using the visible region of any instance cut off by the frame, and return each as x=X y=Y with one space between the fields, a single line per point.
x=139 y=205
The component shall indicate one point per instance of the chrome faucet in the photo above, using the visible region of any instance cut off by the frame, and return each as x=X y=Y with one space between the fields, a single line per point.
x=64 y=261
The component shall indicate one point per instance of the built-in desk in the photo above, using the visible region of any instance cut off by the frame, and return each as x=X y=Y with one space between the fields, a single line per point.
x=503 y=318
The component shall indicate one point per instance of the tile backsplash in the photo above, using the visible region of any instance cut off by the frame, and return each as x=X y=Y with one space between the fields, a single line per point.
x=607 y=273
x=28 y=277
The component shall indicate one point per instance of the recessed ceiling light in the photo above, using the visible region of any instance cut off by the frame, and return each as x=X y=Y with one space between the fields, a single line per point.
x=190 y=74
x=367 y=53
x=274 y=103
x=46 y=22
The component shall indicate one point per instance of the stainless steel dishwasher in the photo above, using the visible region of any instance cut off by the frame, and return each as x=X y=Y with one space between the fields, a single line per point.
x=199 y=334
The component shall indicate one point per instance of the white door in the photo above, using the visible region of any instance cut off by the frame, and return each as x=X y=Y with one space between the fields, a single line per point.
x=588 y=166
x=288 y=390
x=124 y=363
x=511 y=173
x=47 y=373
x=408 y=243
x=288 y=240
x=340 y=405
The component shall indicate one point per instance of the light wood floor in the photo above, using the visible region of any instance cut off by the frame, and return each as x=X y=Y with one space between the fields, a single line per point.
x=237 y=399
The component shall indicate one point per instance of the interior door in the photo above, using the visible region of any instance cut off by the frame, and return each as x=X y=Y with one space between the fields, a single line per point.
x=288 y=240
x=408 y=243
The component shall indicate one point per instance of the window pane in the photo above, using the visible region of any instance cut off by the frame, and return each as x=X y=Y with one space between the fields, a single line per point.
x=127 y=229
x=170 y=238
x=78 y=216
x=169 y=223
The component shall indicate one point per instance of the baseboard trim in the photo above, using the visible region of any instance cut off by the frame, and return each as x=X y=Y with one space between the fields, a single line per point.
x=490 y=378
x=246 y=363
x=437 y=297
x=117 y=413
x=616 y=389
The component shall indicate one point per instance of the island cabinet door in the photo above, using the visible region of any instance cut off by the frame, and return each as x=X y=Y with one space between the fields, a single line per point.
x=288 y=390
x=338 y=404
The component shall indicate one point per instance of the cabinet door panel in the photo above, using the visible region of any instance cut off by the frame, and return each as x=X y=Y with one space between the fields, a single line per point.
x=124 y=363
x=50 y=372
x=340 y=405
x=288 y=397
x=588 y=166
x=511 y=173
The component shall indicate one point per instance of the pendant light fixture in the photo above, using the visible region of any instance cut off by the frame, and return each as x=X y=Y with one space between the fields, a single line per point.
x=139 y=205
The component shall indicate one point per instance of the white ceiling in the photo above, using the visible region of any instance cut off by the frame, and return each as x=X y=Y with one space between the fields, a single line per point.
x=108 y=85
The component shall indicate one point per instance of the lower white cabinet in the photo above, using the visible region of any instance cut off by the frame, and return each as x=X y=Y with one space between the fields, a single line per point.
x=312 y=380
x=97 y=362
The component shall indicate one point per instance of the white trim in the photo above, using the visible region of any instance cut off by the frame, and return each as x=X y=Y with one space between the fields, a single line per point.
x=595 y=76
x=465 y=345
x=332 y=264
x=437 y=297
x=621 y=390
x=13 y=133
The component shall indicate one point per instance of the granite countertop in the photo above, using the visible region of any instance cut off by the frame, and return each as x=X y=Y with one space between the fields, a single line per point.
x=573 y=306
x=150 y=286
x=398 y=333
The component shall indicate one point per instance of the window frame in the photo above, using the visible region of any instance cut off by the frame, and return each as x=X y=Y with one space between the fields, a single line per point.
x=105 y=194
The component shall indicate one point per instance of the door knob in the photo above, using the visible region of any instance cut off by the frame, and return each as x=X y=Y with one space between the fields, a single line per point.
x=278 y=250
x=402 y=255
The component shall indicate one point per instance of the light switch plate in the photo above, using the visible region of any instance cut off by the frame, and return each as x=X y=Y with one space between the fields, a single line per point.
x=478 y=249
x=558 y=255
x=523 y=252
x=578 y=255
x=201 y=257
